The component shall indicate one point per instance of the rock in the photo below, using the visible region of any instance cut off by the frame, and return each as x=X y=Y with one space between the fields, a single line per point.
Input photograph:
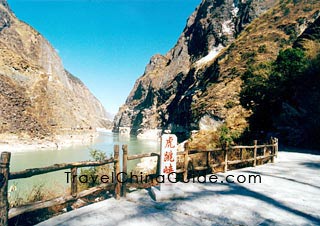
x=149 y=134
x=181 y=146
x=78 y=204
x=98 y=199
x=124 y=130
x=209 y=123
x=146 y=166
x=37 y=94
x=196 y=85
x=163 y=96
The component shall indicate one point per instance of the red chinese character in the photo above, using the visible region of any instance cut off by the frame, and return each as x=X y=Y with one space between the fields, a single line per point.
x=167 y=169
x=168 y=156
x=169 y=143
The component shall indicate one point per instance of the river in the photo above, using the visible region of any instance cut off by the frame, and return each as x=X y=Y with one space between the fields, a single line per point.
x=57 y=180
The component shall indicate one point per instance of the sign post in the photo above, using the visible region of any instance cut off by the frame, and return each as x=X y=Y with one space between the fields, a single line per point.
x=168 y=188
x=168 y=165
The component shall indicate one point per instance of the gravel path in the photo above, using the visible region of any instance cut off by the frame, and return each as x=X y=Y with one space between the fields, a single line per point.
x=289 y=194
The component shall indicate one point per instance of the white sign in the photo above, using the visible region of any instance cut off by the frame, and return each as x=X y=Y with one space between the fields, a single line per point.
x=168 y=158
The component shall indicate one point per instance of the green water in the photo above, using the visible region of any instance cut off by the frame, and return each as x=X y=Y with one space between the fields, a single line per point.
x=56 y=181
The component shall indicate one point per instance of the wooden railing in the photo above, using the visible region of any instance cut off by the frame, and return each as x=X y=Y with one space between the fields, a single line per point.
x=269 y=152
x=6 y=175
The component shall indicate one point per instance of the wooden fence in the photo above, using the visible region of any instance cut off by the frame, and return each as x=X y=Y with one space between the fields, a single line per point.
x=267 y=152
x=255 y=153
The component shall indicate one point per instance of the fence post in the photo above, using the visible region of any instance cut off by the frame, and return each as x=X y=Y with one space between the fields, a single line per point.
x=226 y=158
x=4 y=179
x=158 y=165
x=124 y=169
x=208 y=162
x=74 y=183
x=277 y=147
x=116 y=171
x=274 y=149
x=186 y=158
x=255 y=153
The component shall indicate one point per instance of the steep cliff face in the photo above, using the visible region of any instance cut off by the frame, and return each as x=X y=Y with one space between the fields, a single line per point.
x=38 y=96
x=196 y=85
x=160 y=98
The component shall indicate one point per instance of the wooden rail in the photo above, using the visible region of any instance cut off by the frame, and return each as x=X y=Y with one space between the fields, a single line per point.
x=139 y=156
x=6 y=175
x=13 y=212
x=187 y=154
x=119 y=187
x=56 y=167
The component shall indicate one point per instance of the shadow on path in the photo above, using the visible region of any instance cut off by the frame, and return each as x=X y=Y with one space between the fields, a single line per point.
x=284 y=178
x=235 y=190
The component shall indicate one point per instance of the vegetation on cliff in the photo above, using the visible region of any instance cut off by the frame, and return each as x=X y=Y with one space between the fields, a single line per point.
x=224 y=74
x=284 y=99
x=38 y=97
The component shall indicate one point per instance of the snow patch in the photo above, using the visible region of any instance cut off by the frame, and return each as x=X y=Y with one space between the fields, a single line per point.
x=211 y=55
x=235 y=10
x=226 y=28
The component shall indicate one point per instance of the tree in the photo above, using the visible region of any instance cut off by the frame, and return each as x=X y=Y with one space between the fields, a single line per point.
x=265 y=91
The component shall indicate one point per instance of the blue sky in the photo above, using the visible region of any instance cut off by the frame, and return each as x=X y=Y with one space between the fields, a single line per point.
x=107 y=43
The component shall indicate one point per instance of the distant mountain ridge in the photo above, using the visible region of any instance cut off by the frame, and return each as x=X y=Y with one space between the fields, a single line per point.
x=37 y=95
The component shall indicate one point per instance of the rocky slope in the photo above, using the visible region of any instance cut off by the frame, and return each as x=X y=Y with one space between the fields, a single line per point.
x=162 y=96
x=38 y=97
x=196 y=85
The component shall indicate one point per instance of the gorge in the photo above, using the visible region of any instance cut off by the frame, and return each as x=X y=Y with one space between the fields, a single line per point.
x=39 y=99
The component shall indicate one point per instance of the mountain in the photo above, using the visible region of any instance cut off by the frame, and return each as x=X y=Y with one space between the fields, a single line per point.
x=38 y=97
x=197 y=84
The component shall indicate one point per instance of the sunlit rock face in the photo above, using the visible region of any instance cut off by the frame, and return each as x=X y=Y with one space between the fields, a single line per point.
x=37 y=95
x=162 y=97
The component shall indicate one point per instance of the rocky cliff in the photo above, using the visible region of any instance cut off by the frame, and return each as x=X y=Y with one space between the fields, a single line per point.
x=196 y=85
x=38 y=96
x=162 y=96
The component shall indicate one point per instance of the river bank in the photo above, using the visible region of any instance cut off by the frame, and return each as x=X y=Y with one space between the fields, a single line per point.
x=23 y=143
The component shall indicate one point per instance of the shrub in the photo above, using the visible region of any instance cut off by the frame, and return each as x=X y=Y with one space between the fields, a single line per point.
x=262 y=49
x=286 y=12
x=38 y=193
x=99 y=171
x=265 y=94
x=226 y=136
x=248 y=55
x=230 y=104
